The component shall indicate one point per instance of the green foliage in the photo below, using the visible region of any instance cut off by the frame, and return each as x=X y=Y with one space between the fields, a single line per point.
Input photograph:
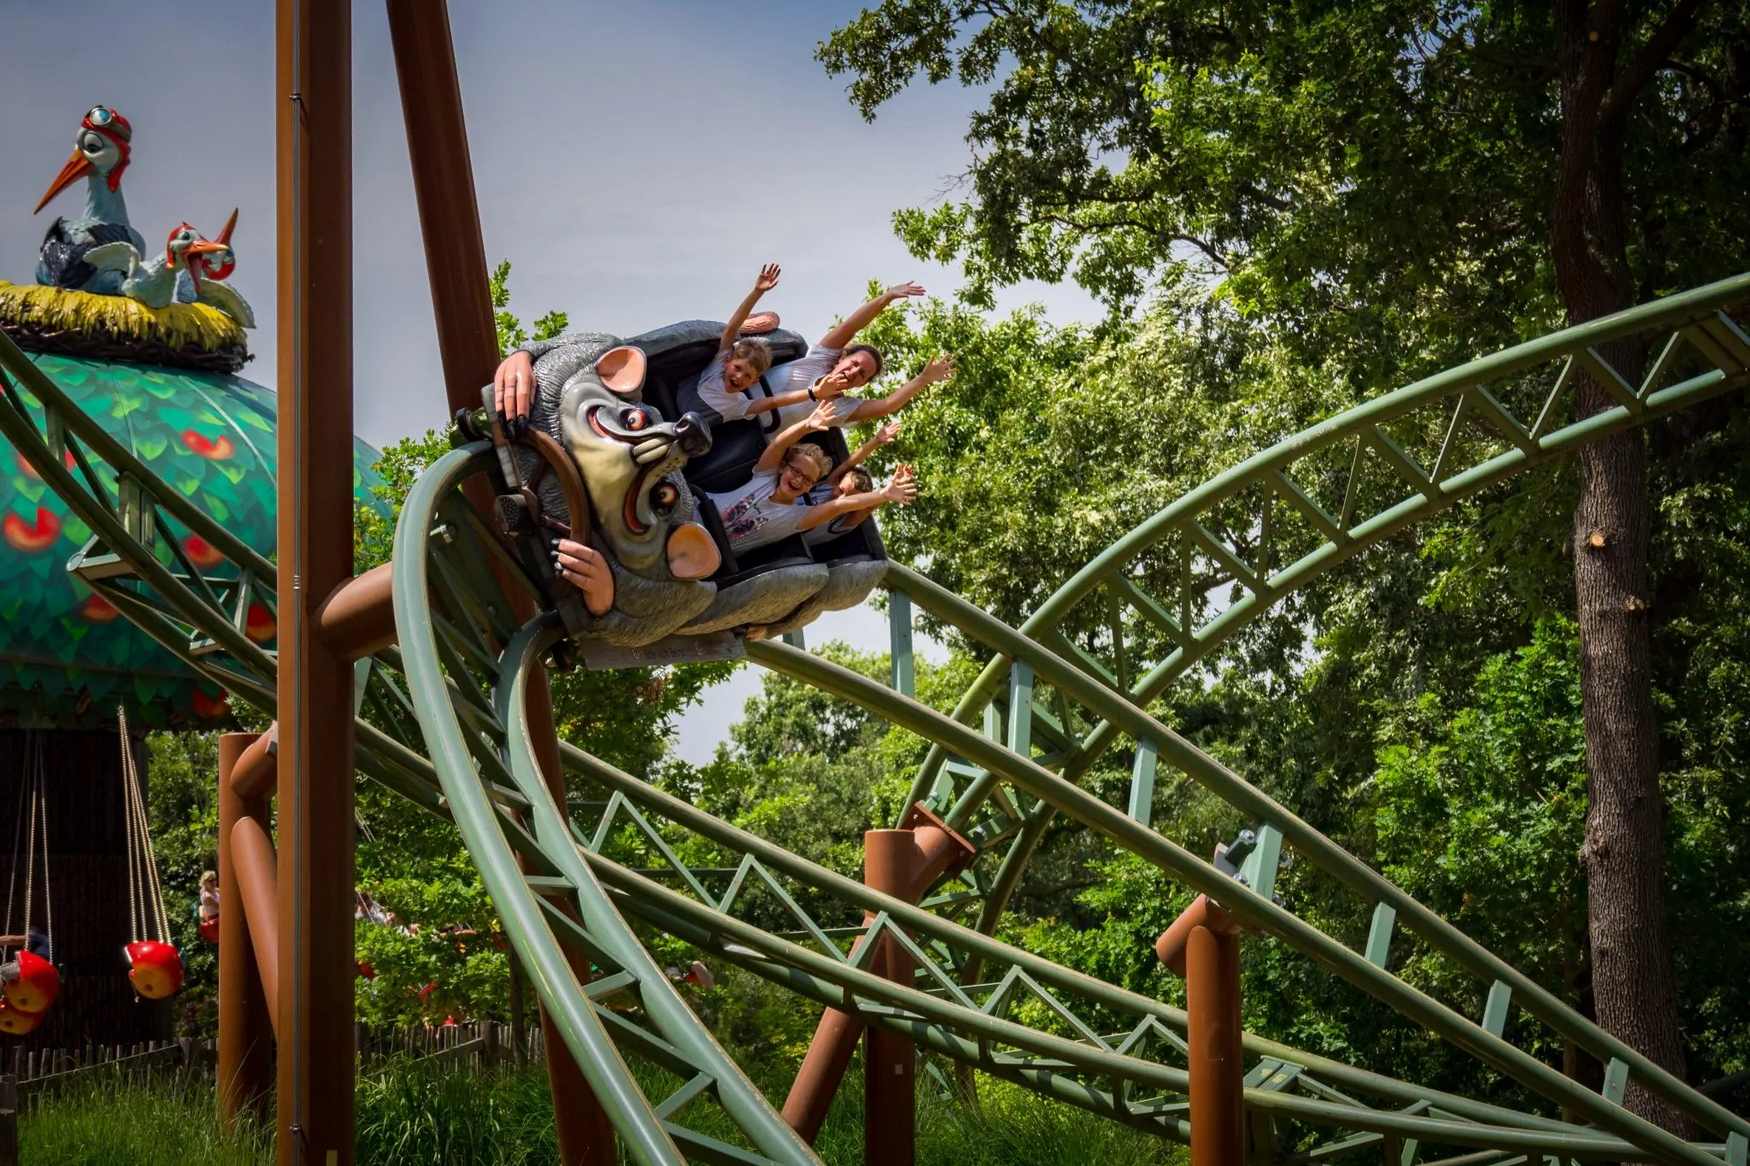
x=181 y=772
x=511 y=334
x=1360 y=172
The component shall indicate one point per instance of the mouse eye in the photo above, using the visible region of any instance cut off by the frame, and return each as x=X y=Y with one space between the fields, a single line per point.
x=634 y=419
x=664 y=497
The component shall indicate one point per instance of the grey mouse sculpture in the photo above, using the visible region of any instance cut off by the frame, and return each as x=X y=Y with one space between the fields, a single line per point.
x=644 y=519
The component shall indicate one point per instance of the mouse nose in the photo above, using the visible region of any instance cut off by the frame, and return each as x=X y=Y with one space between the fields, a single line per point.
x=693 y=434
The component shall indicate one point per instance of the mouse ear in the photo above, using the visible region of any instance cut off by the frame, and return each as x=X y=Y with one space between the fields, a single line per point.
x=622 y=369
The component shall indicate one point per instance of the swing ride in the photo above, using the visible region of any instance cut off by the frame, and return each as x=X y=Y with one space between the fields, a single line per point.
x=155 y=966
x=30 y=982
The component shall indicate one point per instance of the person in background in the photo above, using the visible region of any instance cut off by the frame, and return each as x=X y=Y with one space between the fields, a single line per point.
x=209 y=902
x=33 y=941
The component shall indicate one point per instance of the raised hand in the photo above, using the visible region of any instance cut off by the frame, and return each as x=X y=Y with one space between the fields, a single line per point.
x=513 y=390
x=768 y=278
x=583 y=567
x=939 y=369
x=887 y=432
x=900 y=291
x=904 y=486
x=825 y=415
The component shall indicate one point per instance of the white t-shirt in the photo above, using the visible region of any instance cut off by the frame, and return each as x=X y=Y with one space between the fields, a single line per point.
x=714 y=393
x=799 y=374
x=832 y=528
x=750 y=517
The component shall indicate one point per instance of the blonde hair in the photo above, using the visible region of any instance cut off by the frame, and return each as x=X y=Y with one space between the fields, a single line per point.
x=821 y=459
x=755 y=351
x=209 y=876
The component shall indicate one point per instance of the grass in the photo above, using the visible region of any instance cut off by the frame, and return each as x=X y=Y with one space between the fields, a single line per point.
x=178 y=326
x=417 y=1115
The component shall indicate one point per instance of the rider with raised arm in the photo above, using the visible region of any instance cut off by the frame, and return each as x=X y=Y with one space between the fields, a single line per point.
x=772 y=505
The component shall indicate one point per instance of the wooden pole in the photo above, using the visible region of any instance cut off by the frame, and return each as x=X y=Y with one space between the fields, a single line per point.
x=315 y=759
x=245 y=1054
x=449 y=218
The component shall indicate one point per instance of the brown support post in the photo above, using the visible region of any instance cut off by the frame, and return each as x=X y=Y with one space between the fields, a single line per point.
x=358 y=618
x=891 y=862
x=938 y=851
x=455 y=256
x=258 y=900
x=256 y=772
x=245 y=1064
x=1203 y=945
x=315 y=1058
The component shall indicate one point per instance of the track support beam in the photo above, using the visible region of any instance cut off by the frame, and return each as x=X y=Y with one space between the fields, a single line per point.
x=314 y=698
x=893 y=863
x=1203 y=946
x=245 y=1061
x=937 y=850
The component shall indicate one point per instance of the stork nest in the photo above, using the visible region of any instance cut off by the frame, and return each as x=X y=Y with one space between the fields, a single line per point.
x=77 y=323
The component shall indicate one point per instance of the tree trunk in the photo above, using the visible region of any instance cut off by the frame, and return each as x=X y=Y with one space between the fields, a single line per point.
x=1633 y=980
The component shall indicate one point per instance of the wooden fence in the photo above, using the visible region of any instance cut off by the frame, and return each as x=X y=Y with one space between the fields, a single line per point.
x=39 y=1072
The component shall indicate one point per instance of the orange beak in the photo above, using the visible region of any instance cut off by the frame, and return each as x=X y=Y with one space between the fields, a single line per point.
x=198 y=247
x=76 y=168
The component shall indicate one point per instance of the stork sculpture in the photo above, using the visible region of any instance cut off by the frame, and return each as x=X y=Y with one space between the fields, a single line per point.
x=102 y=149
x=152 y=282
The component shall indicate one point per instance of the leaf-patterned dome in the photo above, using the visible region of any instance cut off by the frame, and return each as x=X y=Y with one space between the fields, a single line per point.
x=66 y=656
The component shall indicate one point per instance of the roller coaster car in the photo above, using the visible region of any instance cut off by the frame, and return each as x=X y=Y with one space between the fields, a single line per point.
x=620 y=453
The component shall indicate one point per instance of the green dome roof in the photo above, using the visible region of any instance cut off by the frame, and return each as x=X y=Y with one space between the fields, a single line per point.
x=66 y=656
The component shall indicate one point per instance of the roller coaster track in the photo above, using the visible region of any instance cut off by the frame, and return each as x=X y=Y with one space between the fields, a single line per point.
x=441 y=722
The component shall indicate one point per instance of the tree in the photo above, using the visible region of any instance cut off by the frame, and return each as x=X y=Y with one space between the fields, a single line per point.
x=1366 y=181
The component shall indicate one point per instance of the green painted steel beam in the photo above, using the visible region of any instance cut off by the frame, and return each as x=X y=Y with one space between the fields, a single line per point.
x=1247 y=906
x=577 y=1019
x=860 y=899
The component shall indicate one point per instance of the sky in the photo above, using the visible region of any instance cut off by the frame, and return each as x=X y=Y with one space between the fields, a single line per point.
x=730 y=144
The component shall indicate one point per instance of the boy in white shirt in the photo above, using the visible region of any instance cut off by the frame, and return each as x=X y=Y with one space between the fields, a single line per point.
x=739 y=363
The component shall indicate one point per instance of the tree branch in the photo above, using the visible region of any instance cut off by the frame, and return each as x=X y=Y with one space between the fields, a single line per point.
x=1648 y=61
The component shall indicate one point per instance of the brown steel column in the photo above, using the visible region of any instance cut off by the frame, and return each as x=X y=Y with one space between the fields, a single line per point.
x=891 y=861
x=315 y=1061
x=258 y=901
x=245 y=1064
x=455 y=255
x=938 y=850
x=1203 y=945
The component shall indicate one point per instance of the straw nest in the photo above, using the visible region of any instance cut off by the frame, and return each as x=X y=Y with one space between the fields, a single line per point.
x=53 y=319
